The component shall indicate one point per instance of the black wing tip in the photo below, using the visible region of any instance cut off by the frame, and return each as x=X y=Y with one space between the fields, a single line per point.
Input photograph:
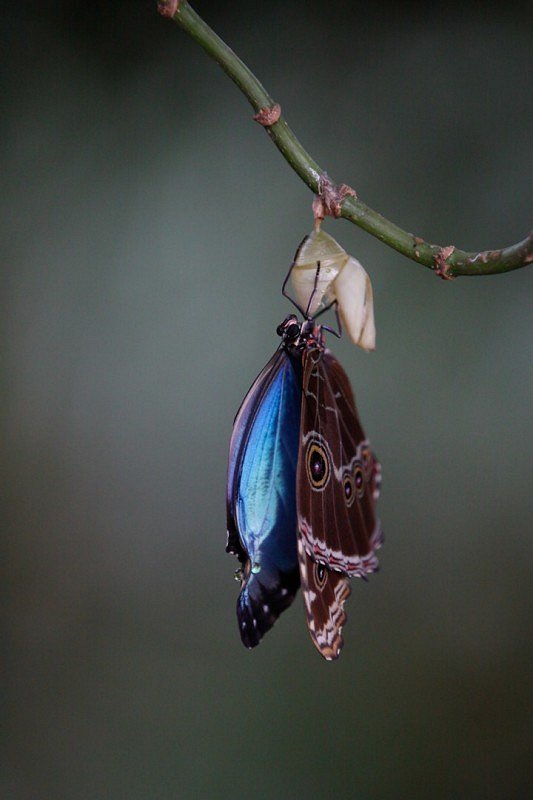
x=259 y=605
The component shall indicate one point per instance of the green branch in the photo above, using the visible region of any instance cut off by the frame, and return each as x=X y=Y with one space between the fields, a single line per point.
x=447 y=262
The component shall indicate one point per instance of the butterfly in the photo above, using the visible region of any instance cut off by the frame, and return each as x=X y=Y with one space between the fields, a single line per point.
x=301 y=491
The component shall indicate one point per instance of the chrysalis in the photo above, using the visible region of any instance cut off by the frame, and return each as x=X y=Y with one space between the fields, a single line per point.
x=323 y=272
x=319 y=257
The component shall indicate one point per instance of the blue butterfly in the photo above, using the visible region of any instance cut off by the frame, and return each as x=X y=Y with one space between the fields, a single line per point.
x=301 y=491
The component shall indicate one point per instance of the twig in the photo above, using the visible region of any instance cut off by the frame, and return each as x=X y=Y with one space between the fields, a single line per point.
x=447 y=262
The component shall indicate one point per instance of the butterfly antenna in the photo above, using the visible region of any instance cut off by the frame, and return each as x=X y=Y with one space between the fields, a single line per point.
x=287 y=295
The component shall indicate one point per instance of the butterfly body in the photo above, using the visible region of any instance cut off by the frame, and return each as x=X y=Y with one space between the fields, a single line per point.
x=302 y=483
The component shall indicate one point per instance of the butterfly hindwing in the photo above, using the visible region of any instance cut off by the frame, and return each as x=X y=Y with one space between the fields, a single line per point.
x=324 y=591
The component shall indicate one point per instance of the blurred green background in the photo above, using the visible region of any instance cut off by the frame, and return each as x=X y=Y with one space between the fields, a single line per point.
x=146 y=226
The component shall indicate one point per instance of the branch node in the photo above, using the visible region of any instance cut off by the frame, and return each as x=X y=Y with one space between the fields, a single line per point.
x=328 y=200
x=269 y=115
x=442 y=269
x=167 y=8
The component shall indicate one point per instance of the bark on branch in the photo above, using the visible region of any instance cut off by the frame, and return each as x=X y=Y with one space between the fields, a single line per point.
x=446 y=261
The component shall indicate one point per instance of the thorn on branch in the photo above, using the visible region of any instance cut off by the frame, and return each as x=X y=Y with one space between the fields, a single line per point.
x=328 y=200
x=268 y=116
x=167 y=8
x=442 y=269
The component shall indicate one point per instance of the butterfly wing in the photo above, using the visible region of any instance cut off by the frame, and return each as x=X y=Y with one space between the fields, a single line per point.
x=242 y=425
x=324 y=591
x=261 y=496
x=337 y=485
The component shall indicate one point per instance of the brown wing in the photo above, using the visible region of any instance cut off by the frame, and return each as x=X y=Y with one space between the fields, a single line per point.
x=324 y=592
x=338 y=476
x=338 y=482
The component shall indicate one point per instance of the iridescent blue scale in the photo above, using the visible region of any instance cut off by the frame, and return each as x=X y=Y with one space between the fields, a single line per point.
x=262 y=495
x=266 y=499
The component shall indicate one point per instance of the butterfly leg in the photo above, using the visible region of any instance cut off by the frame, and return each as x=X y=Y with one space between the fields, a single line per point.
x=315 y=284
x=286 y=294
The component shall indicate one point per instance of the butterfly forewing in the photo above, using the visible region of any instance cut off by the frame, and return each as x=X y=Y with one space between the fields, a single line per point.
x=336 y=472
x=261 y=496
x=242 y=426
x=337 y=484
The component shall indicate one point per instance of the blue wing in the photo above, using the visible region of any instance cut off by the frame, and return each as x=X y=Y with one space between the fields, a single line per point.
x=261 y=495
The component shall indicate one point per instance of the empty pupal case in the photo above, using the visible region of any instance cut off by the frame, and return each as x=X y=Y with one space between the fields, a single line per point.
x=339 y=277
x=318 y=253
